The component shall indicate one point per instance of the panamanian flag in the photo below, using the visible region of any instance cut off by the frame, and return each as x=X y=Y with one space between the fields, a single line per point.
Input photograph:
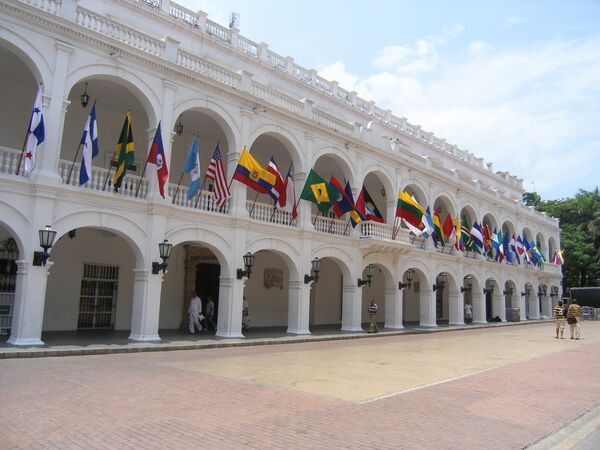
x=35 y=134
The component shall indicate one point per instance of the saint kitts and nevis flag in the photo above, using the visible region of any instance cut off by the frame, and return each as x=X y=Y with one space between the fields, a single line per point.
x=125 y=148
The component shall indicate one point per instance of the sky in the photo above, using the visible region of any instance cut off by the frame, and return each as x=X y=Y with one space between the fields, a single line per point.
x=514 y=82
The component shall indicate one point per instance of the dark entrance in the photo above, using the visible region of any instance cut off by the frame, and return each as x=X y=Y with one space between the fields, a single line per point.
x=207 y=283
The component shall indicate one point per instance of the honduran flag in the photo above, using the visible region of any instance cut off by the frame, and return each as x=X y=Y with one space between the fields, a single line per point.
x=89 y=145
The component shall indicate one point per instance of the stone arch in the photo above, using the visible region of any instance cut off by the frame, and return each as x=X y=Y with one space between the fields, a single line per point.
x=284 y=249
x=445 y=205
x=215 y=242
x=345 y=164
x=123 y=227
x=290 y=142
x=468 y=213
x=29 y=53
x=540 y=242
x=527 y=234
x=13 y=220
x=340 y=256
x=490 y=220
x=552 y=248
x=418 y=191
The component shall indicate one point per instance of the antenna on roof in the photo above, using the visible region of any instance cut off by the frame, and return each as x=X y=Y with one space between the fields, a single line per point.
x=234 y=20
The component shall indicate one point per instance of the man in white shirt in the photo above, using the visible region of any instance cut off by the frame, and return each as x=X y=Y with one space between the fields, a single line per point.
x=468 y=312
x=195 y=312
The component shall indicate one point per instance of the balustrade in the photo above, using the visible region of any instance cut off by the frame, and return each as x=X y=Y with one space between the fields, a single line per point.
x=262 y=212
x=332 y=226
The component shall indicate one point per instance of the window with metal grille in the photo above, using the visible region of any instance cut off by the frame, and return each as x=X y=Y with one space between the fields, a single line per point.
x=98 y=297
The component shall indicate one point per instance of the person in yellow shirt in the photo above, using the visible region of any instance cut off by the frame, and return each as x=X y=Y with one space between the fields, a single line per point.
x=573 y=318
x=559 y=319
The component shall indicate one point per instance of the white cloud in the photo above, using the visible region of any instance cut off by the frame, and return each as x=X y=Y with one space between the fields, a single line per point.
x=512 y=21
x=531 y=110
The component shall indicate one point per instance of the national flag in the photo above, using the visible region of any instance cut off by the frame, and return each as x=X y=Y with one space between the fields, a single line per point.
x=487 y=241
x=505 y=245
x=520 y=246
x=125 y=148
x=560 y=260
x=36 y=134
x=458 y=234
x=89 y=145
x=465 y=235
x=527 y=250
x=495 y=244
x=277 y=192
x=343 y=203
x=156 y=156
x=356 y=216
x=437 y=227
x=409 y=210
x=368 y=207
x=476 y=238
x=448 y=226
x=428 y=226
x=290 y=195
x=513 y=247
x=216 y=172
x=319 y=192
x=252 y=174
x=192 y=166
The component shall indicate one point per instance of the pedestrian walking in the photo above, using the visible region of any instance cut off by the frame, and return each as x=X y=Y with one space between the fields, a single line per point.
x=468 y=312
x=573 y=318
x=195 y=313
x=559 y=319
x=372 y=308
x=210 y=314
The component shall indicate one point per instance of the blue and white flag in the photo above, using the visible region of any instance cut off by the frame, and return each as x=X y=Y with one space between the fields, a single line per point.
x=89 y=144
x=192 y=166
x=35 y=134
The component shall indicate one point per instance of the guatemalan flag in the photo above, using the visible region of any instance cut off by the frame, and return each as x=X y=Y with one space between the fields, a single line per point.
x=157 y=157
x=192 y=166
x=35 y=134
x=89 y=144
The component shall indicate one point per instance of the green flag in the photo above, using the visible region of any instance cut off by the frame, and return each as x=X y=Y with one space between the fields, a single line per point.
x=319 y=192
x=126 y=155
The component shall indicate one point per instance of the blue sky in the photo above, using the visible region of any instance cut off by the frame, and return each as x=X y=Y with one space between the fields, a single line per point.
x=517 y=83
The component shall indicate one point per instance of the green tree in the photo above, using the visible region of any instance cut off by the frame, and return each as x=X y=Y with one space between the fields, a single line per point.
x=531 y=198
x=580 y=236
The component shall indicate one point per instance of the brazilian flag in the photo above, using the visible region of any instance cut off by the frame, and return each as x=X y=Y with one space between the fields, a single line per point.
x=125 y=150
x=319 y=192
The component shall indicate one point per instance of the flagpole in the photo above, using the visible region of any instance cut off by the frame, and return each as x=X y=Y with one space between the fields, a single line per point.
x=347 y=224
x=199 y=192
x=73 y=164
x=394 y=229
x=254 y=203
x=177 y=190
x=141 y=177
x=109 y=169
x=274 y=210
x=315 y=221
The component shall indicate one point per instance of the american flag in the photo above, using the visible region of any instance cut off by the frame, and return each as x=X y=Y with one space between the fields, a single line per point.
x=217 y=174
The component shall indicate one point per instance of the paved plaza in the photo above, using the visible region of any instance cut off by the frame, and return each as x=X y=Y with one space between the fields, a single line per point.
x=497 y=387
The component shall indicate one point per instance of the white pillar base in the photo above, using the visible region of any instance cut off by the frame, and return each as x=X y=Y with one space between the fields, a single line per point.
x=24 y=341
x=144 y=337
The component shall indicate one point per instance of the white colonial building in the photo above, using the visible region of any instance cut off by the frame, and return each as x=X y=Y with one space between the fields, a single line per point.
x=165 y=63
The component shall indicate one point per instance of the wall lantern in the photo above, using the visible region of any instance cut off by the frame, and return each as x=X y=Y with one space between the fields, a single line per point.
x=84 y=98
x=179 y=126
x=441 y=281
x=410 y=274
x=523 y=294
x=469 y=286
x=47 y=236
x=370 y=269
x=541 y=291
x=248 y=264
x=164 y=250
x=315 y=267
x=489 y=290
x=508 y=291
x=554 y=291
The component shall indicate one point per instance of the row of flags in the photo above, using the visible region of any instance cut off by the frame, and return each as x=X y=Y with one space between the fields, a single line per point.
x=463 y=237
x=325 y=195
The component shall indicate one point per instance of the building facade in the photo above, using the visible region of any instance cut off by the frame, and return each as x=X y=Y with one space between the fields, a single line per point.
x=167 y=64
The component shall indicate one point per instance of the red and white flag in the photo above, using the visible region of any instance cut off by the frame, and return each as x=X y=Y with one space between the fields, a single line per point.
x=277 y=192
x=290 y=195
x=217 y=174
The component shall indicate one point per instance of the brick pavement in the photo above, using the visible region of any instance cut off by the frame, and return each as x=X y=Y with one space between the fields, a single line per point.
x=167 y=400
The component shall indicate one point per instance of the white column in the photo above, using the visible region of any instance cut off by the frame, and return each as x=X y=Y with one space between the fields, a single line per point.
x=30 y=296
x=393 y=307
x=455 y=308
x=298 y=307
x=534 y=307
x=351 y=303
x=546 y=306
x=522 y=306
x=46 y=170
x=427 y=300
x=498 y=306
x=479 y=313
x=231 y=294
x=146 y=305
